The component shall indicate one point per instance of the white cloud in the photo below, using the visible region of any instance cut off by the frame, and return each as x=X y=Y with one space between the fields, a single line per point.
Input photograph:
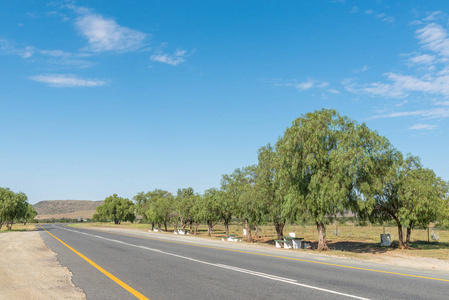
x=433 y=37
x=8 y=48
x=105 y=34
x=174 y=59
x=424 y=59
x=66 y=80
x=421 y=126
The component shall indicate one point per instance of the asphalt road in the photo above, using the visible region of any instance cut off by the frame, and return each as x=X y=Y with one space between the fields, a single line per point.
x=119 y=265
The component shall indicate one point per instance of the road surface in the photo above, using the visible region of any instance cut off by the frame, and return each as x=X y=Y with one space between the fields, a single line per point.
x=140 y=265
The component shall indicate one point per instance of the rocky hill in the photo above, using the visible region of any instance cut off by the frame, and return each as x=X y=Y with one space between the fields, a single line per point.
x=58 y=209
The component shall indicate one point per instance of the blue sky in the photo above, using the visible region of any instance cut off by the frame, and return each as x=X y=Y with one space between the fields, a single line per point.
x=103 y=97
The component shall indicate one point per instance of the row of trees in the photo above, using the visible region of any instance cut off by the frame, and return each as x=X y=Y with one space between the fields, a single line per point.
x=14 y=207
x=325 y=165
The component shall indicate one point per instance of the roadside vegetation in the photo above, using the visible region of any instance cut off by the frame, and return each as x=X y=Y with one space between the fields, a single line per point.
x=14 y=207
x=324 y=166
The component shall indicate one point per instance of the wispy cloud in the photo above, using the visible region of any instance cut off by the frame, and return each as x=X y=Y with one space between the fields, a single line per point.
x=381 y=16
x=362 y=69
x=437 y=113
x=172 y=59
x=7 y=47
x=431 y=75
x=433 y=37
x=423 y=59
x=66 y=80
x=421 y=126
x=309 y=84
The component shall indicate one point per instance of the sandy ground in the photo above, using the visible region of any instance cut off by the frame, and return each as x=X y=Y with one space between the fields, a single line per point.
x=30 y=270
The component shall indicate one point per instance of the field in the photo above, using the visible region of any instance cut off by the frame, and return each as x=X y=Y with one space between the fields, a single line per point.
x=85 y=214
x=353 y=241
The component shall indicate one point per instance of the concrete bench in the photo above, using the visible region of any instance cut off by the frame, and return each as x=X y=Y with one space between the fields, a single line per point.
x=286 y=244
x=231 y=238
x=296 y=241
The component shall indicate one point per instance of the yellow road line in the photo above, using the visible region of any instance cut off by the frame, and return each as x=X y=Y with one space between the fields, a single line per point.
x=115 y=279
x=275 y=256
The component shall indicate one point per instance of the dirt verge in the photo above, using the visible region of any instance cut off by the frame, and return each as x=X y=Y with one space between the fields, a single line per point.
x=30 y=270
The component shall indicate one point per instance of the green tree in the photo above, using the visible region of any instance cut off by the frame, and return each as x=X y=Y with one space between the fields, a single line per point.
x=29 y=214
x=238 y=187
x=13 y=207
x=412 y=196
x=209 y=209
x=270 y=195
x=117 y=209
x=141 y=201
x=161 y=207
x=328 y=162
x=184 y=203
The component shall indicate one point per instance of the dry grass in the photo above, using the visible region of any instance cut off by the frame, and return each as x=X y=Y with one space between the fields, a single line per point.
x=19 y=227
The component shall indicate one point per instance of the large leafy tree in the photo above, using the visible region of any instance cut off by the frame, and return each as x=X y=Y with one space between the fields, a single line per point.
x=328 y=162
x=161 y=207
x=117 y=209
x=142 y=201
x=184 y=202
x=269 y=193
x=239 y=188
x=13 y=207
x=412 y=196
x=209 y=208
x=230 y=196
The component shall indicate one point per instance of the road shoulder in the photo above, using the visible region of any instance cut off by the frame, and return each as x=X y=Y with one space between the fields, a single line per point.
x=30 y=270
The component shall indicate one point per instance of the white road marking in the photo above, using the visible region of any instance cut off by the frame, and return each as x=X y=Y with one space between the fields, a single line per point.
x=254 y=273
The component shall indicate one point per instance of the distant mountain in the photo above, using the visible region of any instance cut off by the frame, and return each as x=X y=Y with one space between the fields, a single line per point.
x=58 y=209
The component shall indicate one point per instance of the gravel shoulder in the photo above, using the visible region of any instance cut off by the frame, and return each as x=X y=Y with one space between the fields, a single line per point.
x=30 y=270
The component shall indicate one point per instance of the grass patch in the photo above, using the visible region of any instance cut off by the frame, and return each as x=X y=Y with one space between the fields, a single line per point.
x=19 y=227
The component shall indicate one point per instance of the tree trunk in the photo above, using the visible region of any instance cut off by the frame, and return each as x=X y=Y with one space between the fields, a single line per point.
x=248 y=231
x=279 y=230
x=152 y=226
x=209 y=228
x=257 y=232
x=165 y=226
x=176 y=226
x=196 y=228
x=400 y=236
x=226 y=225
x=322 y=246
x=159 y=226
x=407 y=238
